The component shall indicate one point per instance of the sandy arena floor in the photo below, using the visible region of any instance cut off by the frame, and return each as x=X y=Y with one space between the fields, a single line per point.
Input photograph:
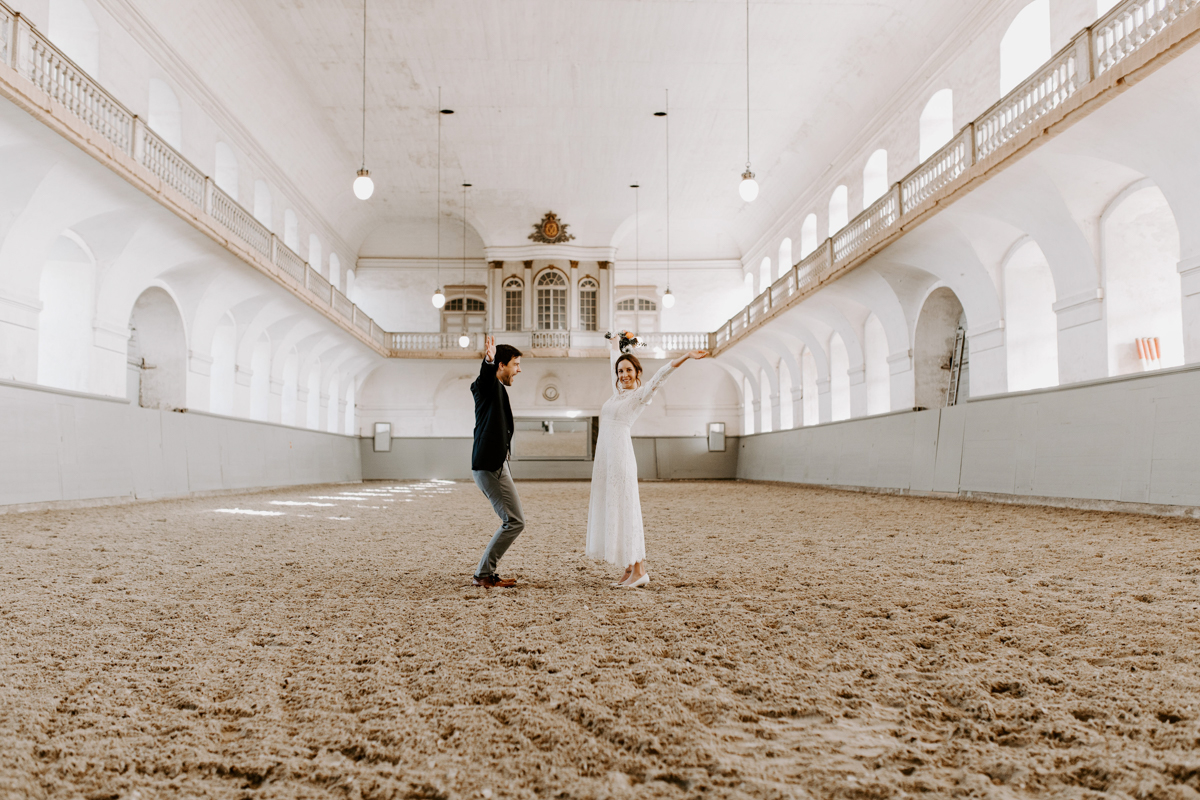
x=793 y=643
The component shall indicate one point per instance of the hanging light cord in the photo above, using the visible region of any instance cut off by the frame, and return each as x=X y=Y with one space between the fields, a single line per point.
x=637 y=256
x=667 y=119
x=464 y=255
x=747 y=85
x=364 y=88
x=439 y=190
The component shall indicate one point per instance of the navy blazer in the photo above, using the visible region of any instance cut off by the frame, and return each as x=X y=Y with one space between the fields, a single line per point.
x=493 y=420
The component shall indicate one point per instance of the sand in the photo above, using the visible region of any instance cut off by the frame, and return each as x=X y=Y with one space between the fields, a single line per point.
x=793 y=642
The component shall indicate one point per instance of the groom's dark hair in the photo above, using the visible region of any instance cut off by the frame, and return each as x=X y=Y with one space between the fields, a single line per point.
x=506 y=353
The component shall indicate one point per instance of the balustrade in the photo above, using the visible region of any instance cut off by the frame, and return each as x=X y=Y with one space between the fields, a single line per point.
x=242 y=224
x=315 y=284
x=676 y=342
x=6 y=35
x=868 y=226
x=174 y=170
x=1128 y=26
x=555 y=339
x=342 y=304
x=939 y=170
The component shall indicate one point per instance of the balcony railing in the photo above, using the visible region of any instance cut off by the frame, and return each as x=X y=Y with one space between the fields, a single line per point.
x=1095 y=50
x=35 y=58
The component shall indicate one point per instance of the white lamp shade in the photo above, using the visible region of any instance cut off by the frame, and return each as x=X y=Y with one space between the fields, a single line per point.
x=668 y=300
x=364 y=187
x=439 y=299
x=464 y=341
x=748 y=189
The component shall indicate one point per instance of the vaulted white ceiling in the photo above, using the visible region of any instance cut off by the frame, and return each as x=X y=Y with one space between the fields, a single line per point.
x=554 y=103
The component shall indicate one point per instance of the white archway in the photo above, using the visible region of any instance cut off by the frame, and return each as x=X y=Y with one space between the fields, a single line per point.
x=937 y=325
x=1025 y=46
x=1030 y=324
x=808 y=236
x=937 y=123
x=157 y=352
x=839 y=210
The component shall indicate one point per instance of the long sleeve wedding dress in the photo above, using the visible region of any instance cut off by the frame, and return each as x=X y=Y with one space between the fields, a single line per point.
x=614 y=531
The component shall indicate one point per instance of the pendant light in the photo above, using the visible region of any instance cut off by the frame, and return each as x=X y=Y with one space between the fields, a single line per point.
x=668 y=299
x=464 y=341
x=439 y=297
x=364 y=187
x=748 y=188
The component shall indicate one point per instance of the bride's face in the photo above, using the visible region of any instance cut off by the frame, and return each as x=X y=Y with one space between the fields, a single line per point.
x=626 y=375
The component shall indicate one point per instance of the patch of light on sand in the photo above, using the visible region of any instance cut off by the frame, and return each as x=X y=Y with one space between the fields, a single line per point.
x=298 y=503
x=340 y=517
x=248 y=511
x=375 y=507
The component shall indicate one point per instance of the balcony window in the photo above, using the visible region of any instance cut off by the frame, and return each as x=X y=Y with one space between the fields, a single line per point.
x=551 y=301
x=587 y=304
x=514 y=296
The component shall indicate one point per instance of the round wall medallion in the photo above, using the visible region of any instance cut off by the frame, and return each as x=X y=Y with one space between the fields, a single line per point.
x=550 y=393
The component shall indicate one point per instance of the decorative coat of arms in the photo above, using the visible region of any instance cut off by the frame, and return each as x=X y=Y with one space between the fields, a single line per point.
x=550 y=230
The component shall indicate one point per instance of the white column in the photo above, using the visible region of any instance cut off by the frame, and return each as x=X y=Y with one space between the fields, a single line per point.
x=110 y=352
x=987 y=360
x=19 y=338
x=573 y=297
x=275 y=402
x=858 y=391
x=824 y=400
x=1189 y=278
x=199 y=395
x=776 y=416
x=797 y=406
x=242 y=377
x=1082 y=337
x=496 y=300
x=902 y=380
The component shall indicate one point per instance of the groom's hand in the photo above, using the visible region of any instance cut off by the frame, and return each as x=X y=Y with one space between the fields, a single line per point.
x=489 y=349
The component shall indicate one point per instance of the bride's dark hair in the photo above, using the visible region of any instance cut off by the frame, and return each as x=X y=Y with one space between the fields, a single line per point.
x=637 y=368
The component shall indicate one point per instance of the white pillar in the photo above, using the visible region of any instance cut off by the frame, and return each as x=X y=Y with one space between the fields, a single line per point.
x=199 y=395
x=18 y=338
x=902 y=380
x=107 y=367
x=776 y=415
x=987 y=360
x=275 y=402
x=1082 y=337
x=858 y=391
x=824 y=400
x=242 y=377
x=573 y=297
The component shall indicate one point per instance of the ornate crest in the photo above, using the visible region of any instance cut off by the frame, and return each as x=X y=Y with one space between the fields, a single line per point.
x=550 y=230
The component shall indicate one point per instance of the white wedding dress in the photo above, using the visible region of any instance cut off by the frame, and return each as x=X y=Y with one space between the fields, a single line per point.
x=614 y=531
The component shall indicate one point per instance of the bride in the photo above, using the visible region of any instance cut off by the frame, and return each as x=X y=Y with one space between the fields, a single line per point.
x=614 y=531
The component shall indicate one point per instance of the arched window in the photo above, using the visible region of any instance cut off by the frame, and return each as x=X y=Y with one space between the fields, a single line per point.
x=164 y=117
x=335 y=270
x=808 y=236
x=513 y=304
x=314 y=252
x=785 y=256
x=227 y=170
x=588 y=291
x=73 y=29
x=875 y=178
x=1025 y=46
x=551 y=301
x=262 y=205
x=640 y=304
x=764 y=274
x=839 y=211
x=937 y=123
x=291 y=230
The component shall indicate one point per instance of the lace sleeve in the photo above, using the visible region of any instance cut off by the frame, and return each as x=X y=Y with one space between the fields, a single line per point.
x=614 y=352
x=645 y=394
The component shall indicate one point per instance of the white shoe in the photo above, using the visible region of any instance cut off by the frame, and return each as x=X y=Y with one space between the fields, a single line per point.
x=642 y=581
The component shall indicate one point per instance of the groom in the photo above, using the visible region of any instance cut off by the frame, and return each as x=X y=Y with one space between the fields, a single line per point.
x=489 y=456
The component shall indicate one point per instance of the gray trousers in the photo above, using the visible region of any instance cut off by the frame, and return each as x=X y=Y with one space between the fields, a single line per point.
x=500 y=490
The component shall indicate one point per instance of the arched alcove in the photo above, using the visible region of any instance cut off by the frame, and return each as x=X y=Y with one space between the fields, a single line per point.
x=1030 y=324
x=1026 y=45
x=73 y=30
x=335 y=271
x=164 y=116
x=66 y=290
x=808 y=236
x=262 y=205
x=157 y=352
x=221 y=371
x=226 y=172
x=937 y=123
x=785 y=256
x=314 y=252
x=839 y=210
x=291 y=230
x=764 y=274
x=875 y=364
x=1142 y=293
x=839 y=378
x=787 y=417
x=289 y=378
x=875 y=177
x=808 y=381
x=764 y=406
x=312 y=412
x=937 y=325
x=260 y=378
x=333 y=418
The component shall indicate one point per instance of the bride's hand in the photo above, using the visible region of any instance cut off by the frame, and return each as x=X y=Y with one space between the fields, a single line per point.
x=698 y=354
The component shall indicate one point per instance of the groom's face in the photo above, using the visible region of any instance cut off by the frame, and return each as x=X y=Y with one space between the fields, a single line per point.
x=506 y=372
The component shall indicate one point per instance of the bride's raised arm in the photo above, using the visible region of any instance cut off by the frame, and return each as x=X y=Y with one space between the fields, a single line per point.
x=614 y=352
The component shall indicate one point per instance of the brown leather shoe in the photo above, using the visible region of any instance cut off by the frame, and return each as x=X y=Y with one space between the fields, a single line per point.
x=493 y=582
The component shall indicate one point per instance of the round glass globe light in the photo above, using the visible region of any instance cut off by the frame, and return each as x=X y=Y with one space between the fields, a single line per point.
x=668 y=300
x=439 y=299
x=364 y=187
x=748 y=189
x=464 y=341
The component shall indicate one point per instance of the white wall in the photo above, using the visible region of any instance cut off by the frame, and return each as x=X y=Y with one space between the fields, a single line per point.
x=64 y=446
x=1130 y=440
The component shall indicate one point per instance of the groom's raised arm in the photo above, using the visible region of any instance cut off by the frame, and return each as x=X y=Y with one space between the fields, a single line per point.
x=487 y=368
